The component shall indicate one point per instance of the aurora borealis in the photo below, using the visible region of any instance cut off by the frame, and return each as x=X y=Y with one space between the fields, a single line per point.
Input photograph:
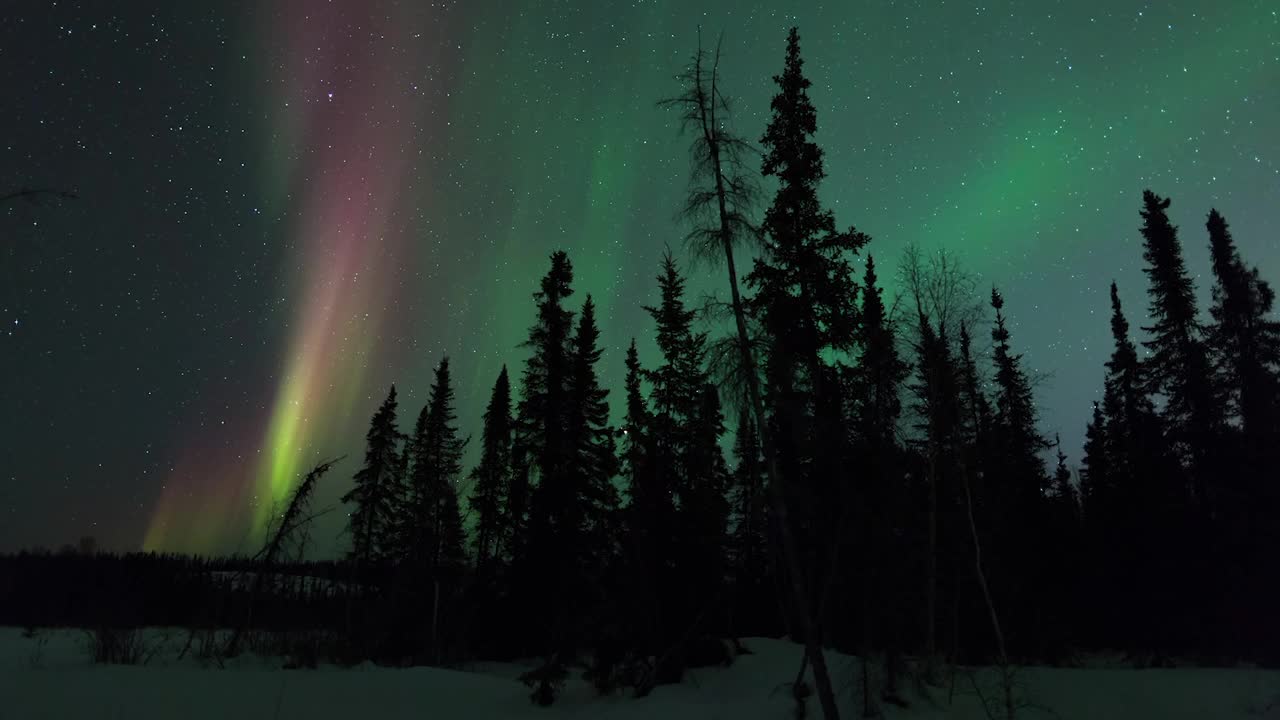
x=287 y=206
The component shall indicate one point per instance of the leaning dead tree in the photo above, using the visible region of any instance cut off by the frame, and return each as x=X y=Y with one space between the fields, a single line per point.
x=1007 y=689
x=721 y=194
x=292 y=532
x=289 y=535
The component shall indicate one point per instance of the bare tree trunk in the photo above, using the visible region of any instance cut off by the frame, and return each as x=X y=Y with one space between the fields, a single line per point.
x=437 y=555
x=1006 y=674
x=435 y=619
x=931 y=592
x=868 y=705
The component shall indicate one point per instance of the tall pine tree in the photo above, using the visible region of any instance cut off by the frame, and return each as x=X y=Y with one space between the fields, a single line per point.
x=805 y=302
x=870 y=540
x=880 y=371
x=1132 y=500
x=492 y=476
x=635 y=426
x=370 y=521
x=1245 y=344
x=1016 y=488
x=649 y=517
x=433 y=522
x=540 y=447
x=1017 y=440
x=1096 y=475
x=593 y=462
x=1178 y=367
x=685 y=431
x=566 y=446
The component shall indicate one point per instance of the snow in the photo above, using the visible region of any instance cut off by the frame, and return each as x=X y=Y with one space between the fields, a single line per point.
x=49 y=676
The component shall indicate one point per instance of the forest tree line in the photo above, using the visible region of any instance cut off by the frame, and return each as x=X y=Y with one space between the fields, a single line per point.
x=890 y=492
x=875 y=451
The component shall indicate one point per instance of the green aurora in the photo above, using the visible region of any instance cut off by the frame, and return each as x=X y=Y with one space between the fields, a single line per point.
x=486 y=135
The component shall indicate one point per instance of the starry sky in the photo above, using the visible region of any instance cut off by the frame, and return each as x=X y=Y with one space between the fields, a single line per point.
x=284 y=206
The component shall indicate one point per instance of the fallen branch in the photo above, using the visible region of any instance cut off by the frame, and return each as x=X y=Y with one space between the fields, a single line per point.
x=34 y=194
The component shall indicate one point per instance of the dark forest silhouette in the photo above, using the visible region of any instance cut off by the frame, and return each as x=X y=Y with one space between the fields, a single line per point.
x=888 y=493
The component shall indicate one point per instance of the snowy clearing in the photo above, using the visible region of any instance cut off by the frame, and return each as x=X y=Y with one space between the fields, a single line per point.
x=49 y=677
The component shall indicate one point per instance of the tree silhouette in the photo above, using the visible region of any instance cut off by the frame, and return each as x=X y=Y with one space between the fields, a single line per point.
x=804 y=299
x=540 y=451
x=686 y=464
x=432 y=518
x=594 y=460
x=1178 y=367
x=1244 y=342
x=939 y=291
x=1015 y=481
x=370 y=521
x=492 y=476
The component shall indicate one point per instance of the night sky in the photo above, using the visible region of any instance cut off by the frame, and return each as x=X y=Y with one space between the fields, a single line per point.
x=286 y=206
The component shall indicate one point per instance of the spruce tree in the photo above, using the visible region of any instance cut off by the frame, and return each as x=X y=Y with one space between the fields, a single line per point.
x=805 y=293
x=370 y=521
x=540 y=450
x=1127 y=404
x=1178 y=366
x=1137 y=467
x=880 y=371
x=635 y=426
x=1017 y=439
x=677 y=383
x=569 y=452
x=1194 y=420
x=575 y=518
x=1062 y=491
x=1132 y=497
x=492 y=476
x=1016 y=489
x=977 y=408
x=434 y=520
x=1245 y=343
x=648 y=518
x=720 y=199
x=411 y=529
x=685 y=429
x=876 y=381
x=1063 y=560
x=1096 y=471
x=593 y=462
x=650 y=511
x=804 y=300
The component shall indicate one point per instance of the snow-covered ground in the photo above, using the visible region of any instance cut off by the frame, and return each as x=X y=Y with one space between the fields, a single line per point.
x=49 y=676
